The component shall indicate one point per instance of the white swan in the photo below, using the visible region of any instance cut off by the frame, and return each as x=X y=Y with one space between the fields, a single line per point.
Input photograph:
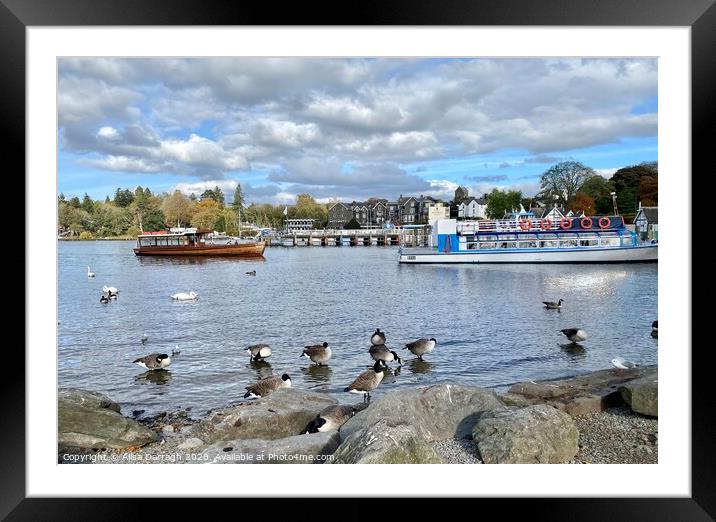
x=110 y=290
x=183 y=296
x=89 y=274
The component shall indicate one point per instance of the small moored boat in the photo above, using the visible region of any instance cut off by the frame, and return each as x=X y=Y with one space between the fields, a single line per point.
x=193 y=242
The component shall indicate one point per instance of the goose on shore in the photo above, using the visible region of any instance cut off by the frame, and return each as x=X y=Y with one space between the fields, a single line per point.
x=259 y=352
x=318 y=353
x=622 y=364
x=552 y=305
x=154 y=361
x=367 y=381
x=377 y=338
x=103 y=299
x=144 y=338
x=89 y=273
x=655 y=329
x=575 y=334
x=421 y=347
x=183 y=296
x=331 y=418
x=267 y=385
x=382 y=353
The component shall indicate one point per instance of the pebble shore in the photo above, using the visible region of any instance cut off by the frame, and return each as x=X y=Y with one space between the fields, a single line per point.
x=613 y=436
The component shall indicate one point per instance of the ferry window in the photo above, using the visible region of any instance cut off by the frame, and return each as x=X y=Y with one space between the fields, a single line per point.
x=508 y=244
x=610 y=241
x=471 y=246
x=487 y=245
x=568 y=243
x=146 y=241
x=588 y=242
x=548 y=244
x=162 y=241
x=527 y=244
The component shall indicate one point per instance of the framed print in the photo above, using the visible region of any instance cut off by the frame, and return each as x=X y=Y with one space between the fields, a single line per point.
x=416 y=235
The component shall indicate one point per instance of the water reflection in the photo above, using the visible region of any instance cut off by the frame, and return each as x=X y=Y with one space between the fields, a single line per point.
x=316 y=373
x=195 y=260
x=159 y=377
x=418 y=366
x=573 y=349
x=262 y=369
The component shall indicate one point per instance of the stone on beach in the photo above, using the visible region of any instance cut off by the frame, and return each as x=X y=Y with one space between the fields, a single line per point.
x=92 y=420
x=386 y=441
x=299 y=449
x=538 y=434
x=642 y=395
x=439 y=412
x=284 y=413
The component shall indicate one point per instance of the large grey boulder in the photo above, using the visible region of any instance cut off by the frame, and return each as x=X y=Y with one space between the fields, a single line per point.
x=443 y=411
x=92 y=420
x=538 y=434
x=386 y=442
x=299 y=449
x=642 y=395
x=282 y=414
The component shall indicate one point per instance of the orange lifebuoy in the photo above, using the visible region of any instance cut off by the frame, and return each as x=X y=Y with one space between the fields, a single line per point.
x=586 y=222
x=545 y=223
x=525 y=224
x=565 y=223
x=604 y=222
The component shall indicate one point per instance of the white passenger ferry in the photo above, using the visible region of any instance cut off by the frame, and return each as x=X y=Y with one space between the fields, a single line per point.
x=602 y=239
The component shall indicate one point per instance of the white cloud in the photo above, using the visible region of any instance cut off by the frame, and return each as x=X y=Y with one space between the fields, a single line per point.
x=108 y=133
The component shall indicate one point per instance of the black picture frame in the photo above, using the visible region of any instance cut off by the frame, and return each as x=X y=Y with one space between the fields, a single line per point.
x=699 y=15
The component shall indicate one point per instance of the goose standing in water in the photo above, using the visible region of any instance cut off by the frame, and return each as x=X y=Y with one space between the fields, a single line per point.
x=552 y=305
x=183 y=296
x=377 y=338
x=318 y=353
x=655 y=329
x=267 y=386
x=575 y=334
x=421 y=347
x=382 y=353
x=331 y=418
x=154 y=361
x=620 y=363
x=103 y=299
x=89 y=273
x=259 y=352
x=367 y=381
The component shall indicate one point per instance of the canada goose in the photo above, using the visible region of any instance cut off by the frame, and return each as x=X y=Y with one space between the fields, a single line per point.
x=382 y=353
x=259 y=352
x=620 y=363
x=144 y=338
x=552 y=305
x=421 y=347
x=154 y=361
x=377 y=338
x=89 y=273
x=103 y=299
x=655 y=329
x=183 y=296
x=252 y=273
x=267 y=385
x=331 y=418
x=575 y=334
x=367 y=381
x=319 y=353
x=110 y=290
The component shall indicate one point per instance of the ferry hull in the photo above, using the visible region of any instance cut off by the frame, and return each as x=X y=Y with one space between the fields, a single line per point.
x=246 y=250
x=635 y=254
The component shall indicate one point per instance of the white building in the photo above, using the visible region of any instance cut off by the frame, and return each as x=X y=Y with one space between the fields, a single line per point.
x=475 y=208
x=554 y=215
x=438 y=210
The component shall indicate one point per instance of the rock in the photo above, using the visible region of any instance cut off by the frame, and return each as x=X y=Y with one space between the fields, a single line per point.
x=642 y=395
x=92 y=420
x=299 y=449
x=443 y=411
x=190 y=443
x=531 y=435
x=386 y=442
x=282 y=414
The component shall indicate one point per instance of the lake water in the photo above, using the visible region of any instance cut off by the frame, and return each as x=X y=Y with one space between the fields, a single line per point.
x=491 y=327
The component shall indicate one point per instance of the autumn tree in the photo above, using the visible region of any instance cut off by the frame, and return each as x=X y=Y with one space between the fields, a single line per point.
x=600 y=190
x=207 y=214
x=178 y=209
x=583 y=203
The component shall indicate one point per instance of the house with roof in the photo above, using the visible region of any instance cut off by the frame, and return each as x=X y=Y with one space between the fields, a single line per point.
x=553 y=215
x=473 y=208
x=339 y=214
x=646 y=223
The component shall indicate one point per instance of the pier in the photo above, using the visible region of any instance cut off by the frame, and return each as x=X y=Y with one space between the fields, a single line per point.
x=360 y=237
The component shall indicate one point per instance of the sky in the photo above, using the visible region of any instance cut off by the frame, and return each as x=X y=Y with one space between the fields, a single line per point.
x=347 y=129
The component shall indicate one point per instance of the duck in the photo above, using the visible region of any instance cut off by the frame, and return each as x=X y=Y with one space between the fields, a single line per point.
x=319 y=353
x=377 y=338
x=382 y=353
x=144 y=338
x=259 y=352
x=421 y=347
x=183 y=296
x=110 y=291
x=552 y=305
x=103 y=299
x=367 y=381
x=252 y=273
x=620 y=363
x=154 y=361
x=331 y=418
x=267 y=385
x=575 y=334
x=90 y=274
x=655 y=329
